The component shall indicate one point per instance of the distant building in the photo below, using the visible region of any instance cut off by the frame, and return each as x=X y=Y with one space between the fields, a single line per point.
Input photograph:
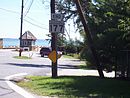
x=28 y=41
x=1 y=43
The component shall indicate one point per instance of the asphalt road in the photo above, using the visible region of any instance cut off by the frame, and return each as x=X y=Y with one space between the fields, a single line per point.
x=35 y=66
x=10 y=66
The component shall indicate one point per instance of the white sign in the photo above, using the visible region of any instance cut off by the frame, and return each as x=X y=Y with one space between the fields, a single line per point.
x=58 y=17
x=56 y=26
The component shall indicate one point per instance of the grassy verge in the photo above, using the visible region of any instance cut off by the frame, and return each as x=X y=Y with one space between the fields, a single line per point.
x=83 y=66
x=22 y=57
x=86 y=66
x=68 y=56
x=78 y=87
x=71 y=56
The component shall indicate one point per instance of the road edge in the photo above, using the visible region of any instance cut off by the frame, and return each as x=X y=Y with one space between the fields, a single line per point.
x=16 y=88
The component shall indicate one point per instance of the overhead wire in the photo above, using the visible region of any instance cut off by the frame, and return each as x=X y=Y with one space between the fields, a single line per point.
x=26 y=2
x=38 y=2
x=25 y=15
x=35 y=21
x=44 y=2
x=41 y=3
x=28 y=9
x=36 y=25
x=15 y=12
x=7 y=10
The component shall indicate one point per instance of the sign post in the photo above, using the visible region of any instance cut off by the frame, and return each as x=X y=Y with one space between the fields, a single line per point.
x=56 y=25
x=53 y=42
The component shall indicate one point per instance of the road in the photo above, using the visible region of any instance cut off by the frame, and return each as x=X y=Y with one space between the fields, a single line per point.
x=35 y=66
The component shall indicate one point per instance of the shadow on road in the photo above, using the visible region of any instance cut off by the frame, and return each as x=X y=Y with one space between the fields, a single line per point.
x=45 y=66
x=2 y=79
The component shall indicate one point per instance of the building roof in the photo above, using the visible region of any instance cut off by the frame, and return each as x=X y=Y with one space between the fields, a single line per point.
x=28 y=35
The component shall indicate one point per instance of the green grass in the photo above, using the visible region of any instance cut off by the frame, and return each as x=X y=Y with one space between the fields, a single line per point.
x=71 y=56
x=83 y=66
x=86 y=66
x=78 y=87
x=68 y=56
x=22 y=57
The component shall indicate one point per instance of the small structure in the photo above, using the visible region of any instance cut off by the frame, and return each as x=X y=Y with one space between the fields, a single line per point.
x=1 y=43
x=28 y=41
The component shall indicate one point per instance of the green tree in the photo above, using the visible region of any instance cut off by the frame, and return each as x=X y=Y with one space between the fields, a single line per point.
x=109 y=22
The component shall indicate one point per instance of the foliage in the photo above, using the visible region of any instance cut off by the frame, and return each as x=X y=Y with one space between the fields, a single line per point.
x=73 y=46
x=109 y=23
x=77 y=87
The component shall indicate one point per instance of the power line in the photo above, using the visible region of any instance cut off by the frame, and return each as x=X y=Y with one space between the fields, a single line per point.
x=40 y=3
x=35 y=21
x=26 y=2
x=43 y=2
x=35 y=25
x=11 y=11
x=7 y=10
x=27 y=11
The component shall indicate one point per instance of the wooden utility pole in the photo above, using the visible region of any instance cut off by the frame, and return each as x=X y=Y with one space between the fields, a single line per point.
x=53 y=42
x=89 y=37
x=21 y=28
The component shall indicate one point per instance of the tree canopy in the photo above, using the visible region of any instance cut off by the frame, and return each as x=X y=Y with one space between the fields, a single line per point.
x=109 y=22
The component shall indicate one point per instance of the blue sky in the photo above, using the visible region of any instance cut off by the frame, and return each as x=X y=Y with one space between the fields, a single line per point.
x=36 y=20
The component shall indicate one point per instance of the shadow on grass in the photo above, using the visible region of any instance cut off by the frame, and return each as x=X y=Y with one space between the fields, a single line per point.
x=83 y=87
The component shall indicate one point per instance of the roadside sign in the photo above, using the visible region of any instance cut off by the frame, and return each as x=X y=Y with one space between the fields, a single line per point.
x=56 y=26
x=52 y=56
x=57 y=16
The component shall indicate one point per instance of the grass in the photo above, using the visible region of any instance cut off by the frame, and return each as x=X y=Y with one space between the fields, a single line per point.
x=83 y=66
x=68 y=56
x=22 y=57
x=78 y=87
x=71 y=56
x=87 y=66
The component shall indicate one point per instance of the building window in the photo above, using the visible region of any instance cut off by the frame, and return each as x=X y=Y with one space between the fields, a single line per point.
x=25 y=43
x=29 y=43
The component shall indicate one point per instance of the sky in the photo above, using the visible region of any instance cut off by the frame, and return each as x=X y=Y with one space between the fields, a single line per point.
x=35 y=20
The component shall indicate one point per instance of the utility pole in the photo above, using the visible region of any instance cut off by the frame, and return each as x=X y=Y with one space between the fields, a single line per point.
x=89 y=37
x=53 y=42
x=21 y=28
